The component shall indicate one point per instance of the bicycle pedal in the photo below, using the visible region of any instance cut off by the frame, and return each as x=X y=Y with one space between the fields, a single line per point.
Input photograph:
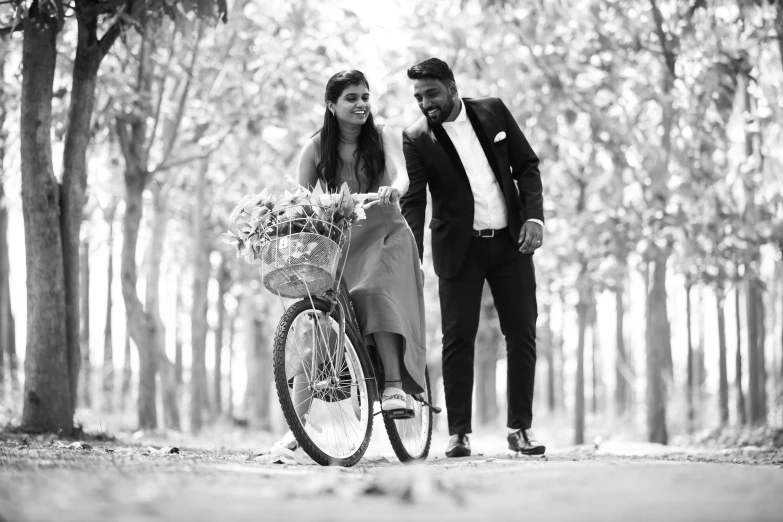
x=401 y=413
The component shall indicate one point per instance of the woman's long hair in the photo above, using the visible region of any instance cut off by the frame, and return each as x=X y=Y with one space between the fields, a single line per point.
x=369 y=147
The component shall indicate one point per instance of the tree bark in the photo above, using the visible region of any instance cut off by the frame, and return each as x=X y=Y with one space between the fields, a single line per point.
x=701 y=370
x=198 y=396
x=127 y=373
x=90 y=51
x=582 y=311
x=224 y=280
x=230 y=387
x=689 y=388
x=49 y=395
x=168 y=380
x=84 y=327
x=595 y=362
x=755 y=318
x=258 y=361
x=132 y=135
x=108 y=345
x=549 y=335
x=178 y=334
x=622 y=371
x=658 y=343
x=486 y=364
x=742 y=417
x=723 y=379
x=5 y=289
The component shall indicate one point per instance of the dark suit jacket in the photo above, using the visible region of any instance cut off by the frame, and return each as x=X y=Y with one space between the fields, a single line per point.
x=432 y=160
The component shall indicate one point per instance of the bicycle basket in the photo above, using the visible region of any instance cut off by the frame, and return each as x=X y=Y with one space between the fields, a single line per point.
x=300 y=263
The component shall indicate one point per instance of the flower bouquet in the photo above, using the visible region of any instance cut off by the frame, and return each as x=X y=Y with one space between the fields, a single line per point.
x=296 y=237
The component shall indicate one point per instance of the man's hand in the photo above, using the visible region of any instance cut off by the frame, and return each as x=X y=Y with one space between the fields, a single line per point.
x=531 y=237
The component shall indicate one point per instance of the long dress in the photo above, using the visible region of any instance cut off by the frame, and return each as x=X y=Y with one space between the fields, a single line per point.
x=384 y=279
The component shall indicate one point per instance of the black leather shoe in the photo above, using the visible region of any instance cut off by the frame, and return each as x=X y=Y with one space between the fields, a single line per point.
x=524 y=442
x=459 y=446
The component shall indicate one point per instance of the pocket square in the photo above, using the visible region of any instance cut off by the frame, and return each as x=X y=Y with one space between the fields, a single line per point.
x=500 y=137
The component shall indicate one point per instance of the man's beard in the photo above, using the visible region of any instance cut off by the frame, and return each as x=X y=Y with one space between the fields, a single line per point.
x=443 y=112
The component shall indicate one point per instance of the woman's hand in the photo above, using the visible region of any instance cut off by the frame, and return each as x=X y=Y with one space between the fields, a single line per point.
x=388 y=196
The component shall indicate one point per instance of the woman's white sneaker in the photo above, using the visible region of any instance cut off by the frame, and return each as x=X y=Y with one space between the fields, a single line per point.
x=285 y=447
x=393 y=399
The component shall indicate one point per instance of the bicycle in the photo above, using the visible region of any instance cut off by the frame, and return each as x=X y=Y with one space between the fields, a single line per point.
x=327 y=380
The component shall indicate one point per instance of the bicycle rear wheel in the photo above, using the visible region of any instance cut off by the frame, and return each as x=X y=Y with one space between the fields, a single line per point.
x=324 y=395
x=410 y=438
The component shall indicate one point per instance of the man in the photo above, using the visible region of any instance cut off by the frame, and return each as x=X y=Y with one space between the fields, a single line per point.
x=487 y=220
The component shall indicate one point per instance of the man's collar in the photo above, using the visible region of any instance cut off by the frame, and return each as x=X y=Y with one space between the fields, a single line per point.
x=462 y=116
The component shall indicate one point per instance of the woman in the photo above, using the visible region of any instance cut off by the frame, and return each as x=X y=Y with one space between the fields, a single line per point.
x=382 y=270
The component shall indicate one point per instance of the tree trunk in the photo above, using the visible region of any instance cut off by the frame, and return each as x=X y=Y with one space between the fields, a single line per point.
x=263 y=377
x=658 y=344
x=701 y=370
x=200 y=254
x=154 y=255
x=224 y=280
x=780 y=264
x=486 y=387
x=742 y=417
x=178 y=333
x=256 y=351
x=560 y=356
x=108 y=345
x=622 y=371
x=595 y=362
x=230 y=388
x=84 y=329
x=549 y=335
x=132 y=135
x=50 y=366
x=90 y=51
x=486 y=363
x=723 y=379
x=689 y=389
x=5 y=289
x=582 y=311
x=127 y=374
x=755 y=327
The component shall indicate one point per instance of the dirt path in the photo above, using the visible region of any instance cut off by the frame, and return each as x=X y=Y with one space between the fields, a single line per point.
x=46 y=481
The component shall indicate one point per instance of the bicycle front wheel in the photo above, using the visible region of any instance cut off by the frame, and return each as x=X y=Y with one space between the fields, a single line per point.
x=323 y=392
x=410 y=438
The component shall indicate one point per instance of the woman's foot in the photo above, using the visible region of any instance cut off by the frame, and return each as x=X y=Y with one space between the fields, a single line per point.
x=393 y=399
x=285 y=447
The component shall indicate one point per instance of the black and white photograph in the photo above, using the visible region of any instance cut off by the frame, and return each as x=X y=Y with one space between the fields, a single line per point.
x=350 y=260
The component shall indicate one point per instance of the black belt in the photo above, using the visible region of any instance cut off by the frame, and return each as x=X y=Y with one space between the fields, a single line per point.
x=487 y=232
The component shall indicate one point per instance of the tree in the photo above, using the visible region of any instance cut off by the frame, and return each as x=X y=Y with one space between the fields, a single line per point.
x=53 y=211
x=201 y=270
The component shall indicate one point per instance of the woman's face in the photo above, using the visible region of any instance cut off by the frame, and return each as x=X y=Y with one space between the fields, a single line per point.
x=353 y=105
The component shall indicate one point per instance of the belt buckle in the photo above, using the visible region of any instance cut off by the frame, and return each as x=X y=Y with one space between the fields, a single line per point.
x=491 y=233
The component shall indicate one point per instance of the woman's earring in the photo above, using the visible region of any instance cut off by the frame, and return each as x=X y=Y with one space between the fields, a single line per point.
x=332 y=111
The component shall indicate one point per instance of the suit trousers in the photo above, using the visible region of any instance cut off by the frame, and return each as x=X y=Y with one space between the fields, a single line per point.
x=511 y=278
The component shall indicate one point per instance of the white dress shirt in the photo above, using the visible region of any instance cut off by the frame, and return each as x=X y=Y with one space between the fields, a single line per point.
x=489 y=209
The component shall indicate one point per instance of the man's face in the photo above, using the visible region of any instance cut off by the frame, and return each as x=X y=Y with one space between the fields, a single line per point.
x=435 y=99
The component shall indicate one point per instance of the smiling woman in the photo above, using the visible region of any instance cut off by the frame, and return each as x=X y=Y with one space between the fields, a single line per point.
x=345 y=140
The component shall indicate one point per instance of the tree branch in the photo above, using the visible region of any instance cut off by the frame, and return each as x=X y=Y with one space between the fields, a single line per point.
x=667 y=51
x=169 y=146
x=110 y=36
x=11 y=29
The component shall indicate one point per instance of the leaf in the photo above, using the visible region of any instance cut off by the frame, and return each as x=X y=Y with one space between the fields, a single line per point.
x=166 y=450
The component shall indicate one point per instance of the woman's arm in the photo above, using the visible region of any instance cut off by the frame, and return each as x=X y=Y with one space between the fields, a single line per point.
x=307 y=175
x=395 y=160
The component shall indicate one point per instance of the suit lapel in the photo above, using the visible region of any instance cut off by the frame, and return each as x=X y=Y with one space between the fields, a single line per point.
x=443 y=138
x=480 y=123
